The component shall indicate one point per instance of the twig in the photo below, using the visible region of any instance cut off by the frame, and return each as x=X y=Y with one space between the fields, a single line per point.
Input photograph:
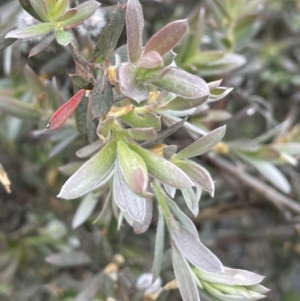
x=265 y=190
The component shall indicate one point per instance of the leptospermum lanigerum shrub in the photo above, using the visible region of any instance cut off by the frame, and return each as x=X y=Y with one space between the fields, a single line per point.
x=128 y=101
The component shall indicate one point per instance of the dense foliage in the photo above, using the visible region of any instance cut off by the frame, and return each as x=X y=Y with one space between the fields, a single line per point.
x=145 y=152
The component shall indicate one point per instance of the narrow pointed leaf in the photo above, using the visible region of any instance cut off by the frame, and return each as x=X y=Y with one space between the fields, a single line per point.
x=167 y=38
x=30 y=31
x=41 y=45
x=88 y=150
x=187 y=125
x=270 y=172
x=19 y=109
x=180 y=103
x=33 y=81
x=70 y=168
x=197 y=173
x=159 y=246
x=170 y=190
x=26 y=5
x=65 y=111
x=134 y=28
x=59 y=8
x=166 y=132
x=203 y=144
x=232 y=277
x=40 y=8
x=133 y=168
x=92 y=125
x=84 y=11
x=128 y=84
x=290 y=148
x=81 y=116
x=162 y=169
x=127 y=200
x=169 y=151
x=90 y=174
x=111 y=34
x=184 y=276
x=141 y=227
x=194 y=251
x=84 y=210
x=182 y=83
x=191 y=200
x=67 y=15
x=183 y=218
x=102 y=98
x=118 y=186
x=69 y=259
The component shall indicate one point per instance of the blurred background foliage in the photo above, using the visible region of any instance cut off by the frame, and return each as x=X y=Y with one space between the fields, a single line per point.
x=254 y=45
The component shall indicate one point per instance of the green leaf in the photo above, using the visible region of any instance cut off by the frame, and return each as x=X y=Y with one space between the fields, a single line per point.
x=162 y=169
x=33 y=81
x=231 y=277
x=58 y=9
x=91 y=125
x=126 y=199
x=90 y=174
x=88 y=150
x=228 y=62
x=5 y=42
x=182 y=83
x=141 y=227
x=67 y=15
x=31 y=31
x=290 y=148
x=102 y=98
x=167 y=38
x=142 y=133
x=41 y=45
x=26 y=5
x=84 y=210
x=184 y=220
x=184 y=276
x=159 y=246
x=197 y=173
x=204 y=57
x=68 y=259
x=269 y=171
x=63 y=37
x=69 y=168
x=111 y=34
x=181 y=104
x=80 y=82
x=84 y=11
x=129 y=86
x=81 y=116
x=243 y=25
x=145 y=121
x=133 y=168
x=203 y=144
x=40 y=8
x=194 y=251
x=191 y=199
x=134 y=29
x=165 y=133
x=19 y=109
